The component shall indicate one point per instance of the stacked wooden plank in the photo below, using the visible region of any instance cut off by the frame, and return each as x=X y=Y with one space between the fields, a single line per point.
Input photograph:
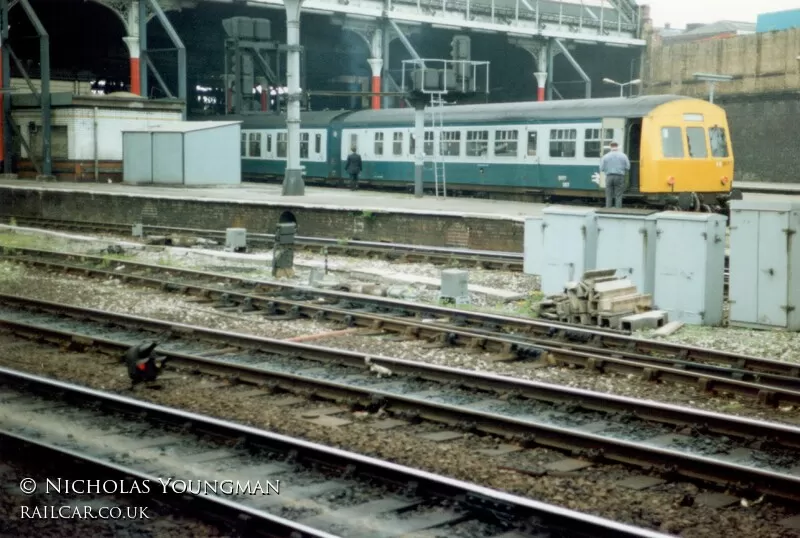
x=599 y=299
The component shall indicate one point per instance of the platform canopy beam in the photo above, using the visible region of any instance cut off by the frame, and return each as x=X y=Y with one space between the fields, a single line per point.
x=145 y=62
x=588 y=81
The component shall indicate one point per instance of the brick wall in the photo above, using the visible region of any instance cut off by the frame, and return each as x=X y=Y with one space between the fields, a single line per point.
x=473 y=233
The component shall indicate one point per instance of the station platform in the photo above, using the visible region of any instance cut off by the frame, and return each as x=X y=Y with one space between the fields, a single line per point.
x=322 y=212
x=767 y=188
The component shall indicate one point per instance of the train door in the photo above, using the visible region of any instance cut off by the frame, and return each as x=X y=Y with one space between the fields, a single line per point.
x=613 y=130
x=531 y=157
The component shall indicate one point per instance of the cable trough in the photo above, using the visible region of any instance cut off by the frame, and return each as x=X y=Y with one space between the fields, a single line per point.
x=601 y=350
x=740 y=454
x=487 y=259
x=287 y=487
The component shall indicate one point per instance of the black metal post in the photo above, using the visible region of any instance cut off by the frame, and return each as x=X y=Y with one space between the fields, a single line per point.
x=44 y=61
x=8 y=146
x=143 y=56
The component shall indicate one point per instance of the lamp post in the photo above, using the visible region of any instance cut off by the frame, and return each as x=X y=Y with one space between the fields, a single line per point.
x=622 y=84
x=712 y=80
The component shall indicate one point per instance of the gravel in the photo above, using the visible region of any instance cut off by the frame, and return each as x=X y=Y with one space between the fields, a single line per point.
x=112 y=295
x=669 y=507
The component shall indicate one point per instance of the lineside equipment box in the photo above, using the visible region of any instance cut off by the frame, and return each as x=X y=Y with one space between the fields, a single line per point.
x=690 y=266
x=533 y=246
x=626 y=241
x=764 y=285
x=570 y=246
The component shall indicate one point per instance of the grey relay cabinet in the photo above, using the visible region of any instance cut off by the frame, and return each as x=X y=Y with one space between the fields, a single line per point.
x=570 y=246
x=533 y=246
x=626 y=241
x=186 y=153
x=690 y=266
x=764 y=287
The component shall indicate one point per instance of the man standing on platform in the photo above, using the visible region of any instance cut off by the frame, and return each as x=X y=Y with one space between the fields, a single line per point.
x=353 y=167
x=615 y=165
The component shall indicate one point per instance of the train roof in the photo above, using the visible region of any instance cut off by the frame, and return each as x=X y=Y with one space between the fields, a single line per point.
x=571 y=109
x=308 y=120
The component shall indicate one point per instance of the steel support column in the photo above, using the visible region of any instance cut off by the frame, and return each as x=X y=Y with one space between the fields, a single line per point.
x=577 y=66
x=132 y=42
x=44 y=63
x=145 y=61
x=5 y=81
x=293 y=184
x=419 y=147
x=551 y=56
x=539 y=50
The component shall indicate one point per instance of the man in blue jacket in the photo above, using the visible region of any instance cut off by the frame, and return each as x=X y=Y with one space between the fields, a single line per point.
x=615 y=165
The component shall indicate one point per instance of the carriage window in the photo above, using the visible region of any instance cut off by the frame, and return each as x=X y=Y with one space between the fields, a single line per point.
x=244 y=144
x=450 y=143
x=353 y=142
x=563 y=142
x=397 y=143
x=411 y=144
x=281 y=145
x=533 y=143
x=255 y=144
x=428 y=145
x=269 y=143
x=318 y=144
x=592 y=143
x=477 y=143
x=378 y=143
x=696 y=140
x=304 y=145
x=506 y=144
x=719 y=141
x=672 y=142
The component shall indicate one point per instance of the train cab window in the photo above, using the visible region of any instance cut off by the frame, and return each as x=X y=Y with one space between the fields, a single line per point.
x=477 y=143
x=281 y=145
x=533 y=143
x=397 y=144
x=428 y=145
x=718 y=139
x=269 y=143
x=378 y=143
x=318 y=144
x=506 y=143
x=672 y=142
x=244 y=144
x=304 y=145
x=563 y=142
x=696 y=140
x=450 y=143
x=255 y=144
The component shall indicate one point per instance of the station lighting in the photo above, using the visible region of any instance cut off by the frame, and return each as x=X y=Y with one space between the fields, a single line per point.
x=712 y=80
x=622 y=84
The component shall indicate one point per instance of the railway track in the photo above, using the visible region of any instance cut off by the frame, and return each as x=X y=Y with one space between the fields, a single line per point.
x=302 y=489
x=739 y=454
x=507 y=261
x=512 y=338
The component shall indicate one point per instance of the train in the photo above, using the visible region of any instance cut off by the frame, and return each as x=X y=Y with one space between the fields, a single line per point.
x=679 y=147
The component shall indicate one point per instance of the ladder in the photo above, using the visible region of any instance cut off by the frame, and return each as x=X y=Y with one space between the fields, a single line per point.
x=437 y=124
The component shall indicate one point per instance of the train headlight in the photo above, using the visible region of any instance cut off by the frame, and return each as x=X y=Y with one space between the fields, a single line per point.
x=724 y=180
x=671 y=181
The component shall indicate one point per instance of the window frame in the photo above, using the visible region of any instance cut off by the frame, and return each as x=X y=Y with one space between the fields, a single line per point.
x=563 y=139
x=502 y=136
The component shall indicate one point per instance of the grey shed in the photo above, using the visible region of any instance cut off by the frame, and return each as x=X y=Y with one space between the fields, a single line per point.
x=187 y=153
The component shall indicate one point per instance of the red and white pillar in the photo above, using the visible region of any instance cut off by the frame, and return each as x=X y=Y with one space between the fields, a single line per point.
x=541 y=81
x=376 y=65
x=134 y=49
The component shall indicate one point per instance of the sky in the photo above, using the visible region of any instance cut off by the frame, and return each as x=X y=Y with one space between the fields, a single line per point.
x=681 y=12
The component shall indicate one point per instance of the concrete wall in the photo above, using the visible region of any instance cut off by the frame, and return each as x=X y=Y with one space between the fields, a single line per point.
x=765 y=62
x=434 y=230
